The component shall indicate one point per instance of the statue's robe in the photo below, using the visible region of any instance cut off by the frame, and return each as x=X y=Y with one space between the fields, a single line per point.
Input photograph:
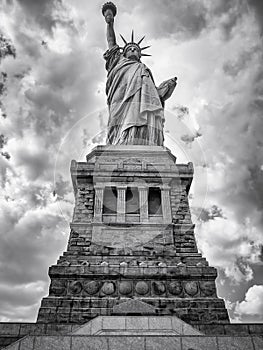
x=136 y=114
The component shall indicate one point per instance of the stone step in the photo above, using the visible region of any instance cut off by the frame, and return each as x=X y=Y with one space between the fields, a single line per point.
x=138 y=341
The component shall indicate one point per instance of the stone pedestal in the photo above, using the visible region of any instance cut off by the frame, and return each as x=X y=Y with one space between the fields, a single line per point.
x=132 y=238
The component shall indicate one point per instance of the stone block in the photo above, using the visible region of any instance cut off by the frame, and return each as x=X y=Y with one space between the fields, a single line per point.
x=89 y=343
x=14 y=346
x=189 y=330
x=236 y=329
x=33 y=328
x=137 y=322
x=258 y=343
x=52 y=343
x=96 y=325
x=27 y=343
x=235 y=343
x=53 y=329
x=199 y=343
x=161 y=343
x=84 y=329
x=9 y=328
x=160 y=323
x=255 y=328
x=127 y=343
x=113 y=322
x=177 y=325
x=212 y=329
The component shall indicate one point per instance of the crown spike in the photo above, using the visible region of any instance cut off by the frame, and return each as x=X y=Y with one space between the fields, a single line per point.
x=125 y=42
x=132 y=36
x=145 y=54
x=145 y=47
x=141 y=40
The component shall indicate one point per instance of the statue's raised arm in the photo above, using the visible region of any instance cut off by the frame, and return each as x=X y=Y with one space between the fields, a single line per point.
x=109 y=11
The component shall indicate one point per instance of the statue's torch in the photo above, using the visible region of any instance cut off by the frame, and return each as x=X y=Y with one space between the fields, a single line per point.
x=109 y=11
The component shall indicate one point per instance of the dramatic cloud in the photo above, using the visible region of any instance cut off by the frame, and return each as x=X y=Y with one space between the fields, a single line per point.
x=252 y=307
x=54 y=110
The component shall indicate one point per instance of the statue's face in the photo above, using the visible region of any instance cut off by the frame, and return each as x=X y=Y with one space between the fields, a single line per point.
x=132 y=53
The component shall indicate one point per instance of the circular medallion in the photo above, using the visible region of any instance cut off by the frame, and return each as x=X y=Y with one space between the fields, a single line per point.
x=191 y=288
x=91 y=287
x=108 y=288
x=158 y=287
x=125 y=287
x=58 y=288
x=208 y=288
x=175 y=287
x=75 y=287
x=142 y=288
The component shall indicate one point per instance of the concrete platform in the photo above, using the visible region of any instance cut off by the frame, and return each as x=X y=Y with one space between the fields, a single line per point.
x=139 y=332
x=150 y=342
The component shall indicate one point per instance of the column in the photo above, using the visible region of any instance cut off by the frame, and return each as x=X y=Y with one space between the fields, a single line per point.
x=143 y=197
x=98 y=205
x=166 y=205
x=121 y=196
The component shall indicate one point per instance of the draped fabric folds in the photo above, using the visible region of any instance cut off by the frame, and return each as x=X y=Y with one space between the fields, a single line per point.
x=135 y=110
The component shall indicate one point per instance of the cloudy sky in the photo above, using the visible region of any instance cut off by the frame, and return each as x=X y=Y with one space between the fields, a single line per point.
x=53 y=109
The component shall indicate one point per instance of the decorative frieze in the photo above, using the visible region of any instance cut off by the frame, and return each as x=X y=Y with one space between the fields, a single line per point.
x=165 y=288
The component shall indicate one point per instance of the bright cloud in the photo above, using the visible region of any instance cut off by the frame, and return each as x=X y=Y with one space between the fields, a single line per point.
x=252 y=305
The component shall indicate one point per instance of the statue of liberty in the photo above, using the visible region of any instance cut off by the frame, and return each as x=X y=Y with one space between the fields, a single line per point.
x=136 y=105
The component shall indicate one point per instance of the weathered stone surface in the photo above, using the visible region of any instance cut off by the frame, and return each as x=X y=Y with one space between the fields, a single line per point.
x=161 y=343
x=125 y=287
x=175 y=288
x=108 y=288
x=147 y=341
x=199 y=343
x=87 y=343
x=142 y=288
x=121 y=343
x=258 y=343
x=116 y=255
x=133 y=306
x=52 y=342
x=92 y=287
x=9 y=328
x=27 y=343
x=235 y=343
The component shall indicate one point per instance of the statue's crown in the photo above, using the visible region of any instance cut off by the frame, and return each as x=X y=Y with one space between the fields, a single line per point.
x=133 y=43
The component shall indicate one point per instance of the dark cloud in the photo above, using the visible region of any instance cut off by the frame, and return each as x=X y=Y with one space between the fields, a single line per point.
x=211 y=213
x=42 y=12
x=62 y=187
x=188 y=139
x=239 y=64
x=225 y=15
x=23 y=260
x=257 y=6
x=181 y=111
x=35 y=162
x=179 y=19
